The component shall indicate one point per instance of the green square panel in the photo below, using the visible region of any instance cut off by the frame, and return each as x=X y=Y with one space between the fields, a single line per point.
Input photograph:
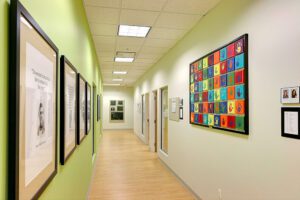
x=211 y=83
x=230 y=79
x=205 y=74
x=240 y=123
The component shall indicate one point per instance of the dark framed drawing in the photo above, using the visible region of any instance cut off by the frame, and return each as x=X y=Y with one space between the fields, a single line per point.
x=117 y=110
x=290 y=121
x=290 y=95
x=219 y=88
x=33 y=106
x=98 y=108
x=68 y=106
x=81 y=108
x=88 y=107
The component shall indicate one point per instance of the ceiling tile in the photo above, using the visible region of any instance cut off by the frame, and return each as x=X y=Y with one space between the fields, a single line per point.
x=191 y=6
x=104 y=29
x=106 y=53
x=104 y=47
x=103 y=3
x=130 y=41
x=153 y=50
x=102 y=15
x=159 y=43
x=177 y=21
x=138 y=17
x=111 y=40
x=166 y=33
x=128 y=48
x=152 y=5
x=148 y=56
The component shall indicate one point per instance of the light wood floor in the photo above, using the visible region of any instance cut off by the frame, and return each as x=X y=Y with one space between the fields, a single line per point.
x=126 y=170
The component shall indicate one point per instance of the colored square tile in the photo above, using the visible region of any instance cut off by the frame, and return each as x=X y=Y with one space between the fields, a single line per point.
x=205 y=96
x=192 y=107
x=239 y=47
x=196 y=87
x=211 y=83
x=230 y=79
x=224 y=80
x=217 y=107
x=211 y=60
x=223 y=67
x=211 y=107
x=196 y=77
x=200 y=75
x=210 y=119
x=200 y=118
x=231 y=122
x=205 y=63
x=200 y=62
x=224 y=121
x=231 y=107
x=200 y=97
x=196 y=107
x=210 y=96
x=217 y=69
x=192 y=117
x=223 y=94
x=239 y=77
x=223 y=54
x=205 y=119
x=205 y=108
x=231 y=93
x=200 y=108
x=216 y=57
x=239 y=61
x=217 y=121
x=205 y=74
x=240 y=92
x=223 y=107
x=192 y=88
x=205 y=85
x=196 y=119
x=230 y=65
x=200 y=86
x=217 y=82
x=192 y=98
x=196 y=97
x=192 y=78
x=240 y=123
x=240 y=107
x=210 y=73
x=217 y=96
x=230 y=50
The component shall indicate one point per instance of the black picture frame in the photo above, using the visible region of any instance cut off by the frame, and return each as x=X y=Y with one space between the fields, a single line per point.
x=63 y=62
x=17 y=10
x=283 y=119
x=246 y=86
x=98 y=108
x=80 y=90
x=88 y=107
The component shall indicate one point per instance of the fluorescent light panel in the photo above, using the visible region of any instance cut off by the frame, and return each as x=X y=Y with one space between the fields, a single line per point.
x=119 y=59
x=112 y=84
x=120 y=72
x=133 y=31
x=117 y=80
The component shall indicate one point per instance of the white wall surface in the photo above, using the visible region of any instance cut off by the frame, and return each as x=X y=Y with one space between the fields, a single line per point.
x=118 y=93
x=263 y=165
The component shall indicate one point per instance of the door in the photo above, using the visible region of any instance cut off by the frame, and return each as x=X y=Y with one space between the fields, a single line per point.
x=155 y=119
x=164 y=120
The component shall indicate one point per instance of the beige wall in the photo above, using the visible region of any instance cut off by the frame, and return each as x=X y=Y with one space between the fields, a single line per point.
x=263 y=166
x=117 y=93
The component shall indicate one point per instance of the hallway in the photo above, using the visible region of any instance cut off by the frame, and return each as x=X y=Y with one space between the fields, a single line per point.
x=125 y=169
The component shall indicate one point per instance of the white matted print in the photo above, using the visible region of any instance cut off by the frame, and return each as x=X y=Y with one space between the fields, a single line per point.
x=290 y=95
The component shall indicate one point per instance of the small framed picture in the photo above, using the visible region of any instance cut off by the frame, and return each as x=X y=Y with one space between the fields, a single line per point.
x=290 y=122
x=113 y=103
x=113 y=109
x=120 y=103
x=290 y=95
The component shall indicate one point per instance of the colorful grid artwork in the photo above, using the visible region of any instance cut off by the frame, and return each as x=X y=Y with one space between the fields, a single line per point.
x=219 y=88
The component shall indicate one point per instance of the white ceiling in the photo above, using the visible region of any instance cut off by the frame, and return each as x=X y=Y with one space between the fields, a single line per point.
x=170 y=21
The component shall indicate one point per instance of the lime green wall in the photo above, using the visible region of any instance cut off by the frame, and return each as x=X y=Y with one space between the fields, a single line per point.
x=65 y=23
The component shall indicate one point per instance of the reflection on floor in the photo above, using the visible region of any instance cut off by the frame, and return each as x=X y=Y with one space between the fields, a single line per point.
x=126 y=170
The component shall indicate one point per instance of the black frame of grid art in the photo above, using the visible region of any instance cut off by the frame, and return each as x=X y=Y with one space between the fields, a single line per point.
x=246 y=86
x=289 y=109
x=16 y=11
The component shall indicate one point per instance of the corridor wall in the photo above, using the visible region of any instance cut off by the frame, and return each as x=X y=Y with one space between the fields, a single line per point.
x=66 y=24
x=260 y=166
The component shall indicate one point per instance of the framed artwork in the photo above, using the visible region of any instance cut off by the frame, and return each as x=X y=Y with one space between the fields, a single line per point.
x=290 y=120
x=33 y=105
x=117 y=111
x=88 y=107
x=98 y=108
x=219 y=88
x=68 y=106
x=81 y=108
x=290 y=95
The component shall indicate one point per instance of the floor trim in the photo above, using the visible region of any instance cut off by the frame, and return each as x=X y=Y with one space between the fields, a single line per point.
x=180 y=180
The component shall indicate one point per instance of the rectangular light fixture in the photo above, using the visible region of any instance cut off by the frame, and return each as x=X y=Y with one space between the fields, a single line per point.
x=120 y=72
x=118 y=59
x=112 y=84
x=117 y=80
x=124 y=56
x=133 y=31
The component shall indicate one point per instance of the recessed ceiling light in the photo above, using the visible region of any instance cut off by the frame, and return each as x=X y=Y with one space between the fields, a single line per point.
x=118 y=59
x=117 y=80
x=24 y=21
x=112 y=84
x=124 y=56
x=133 y=31
x=120 y=72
